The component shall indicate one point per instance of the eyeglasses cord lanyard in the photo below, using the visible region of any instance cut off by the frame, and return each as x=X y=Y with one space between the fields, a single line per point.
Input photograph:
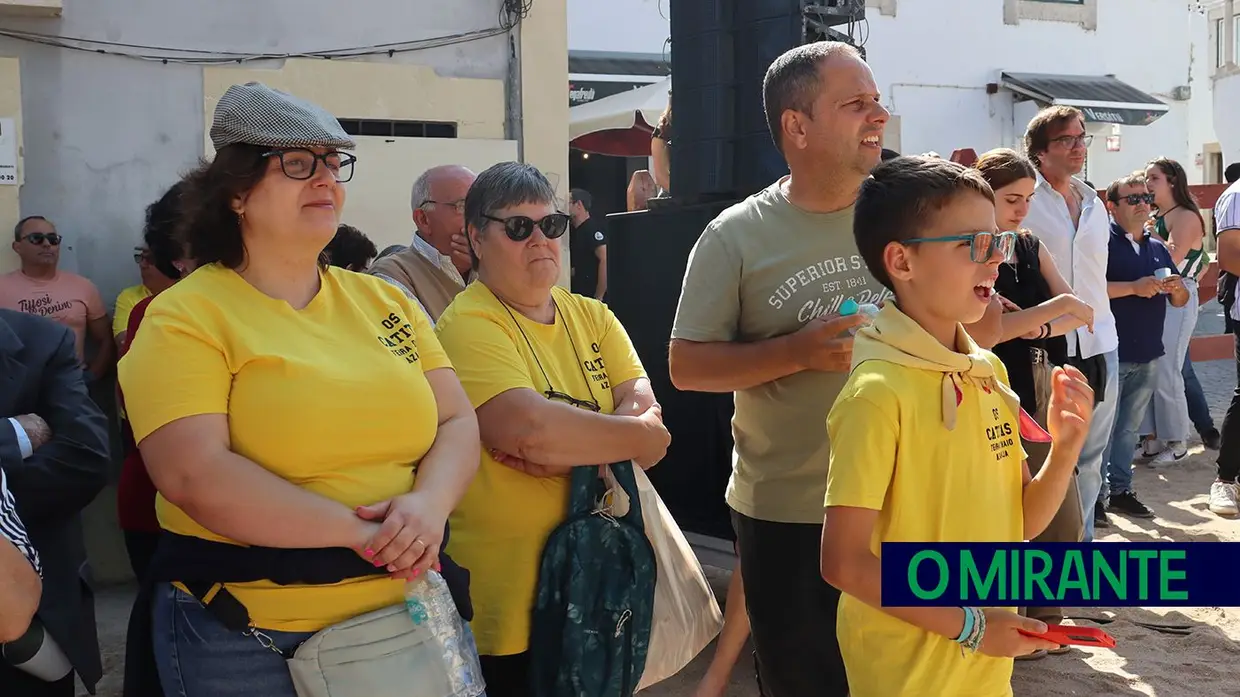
x=573 y=344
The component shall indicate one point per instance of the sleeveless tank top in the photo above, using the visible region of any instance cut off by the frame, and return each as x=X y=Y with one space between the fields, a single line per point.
x=1195 y=262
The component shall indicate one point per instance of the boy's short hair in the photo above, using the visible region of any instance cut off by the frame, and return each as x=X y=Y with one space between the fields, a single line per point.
x=899 y=196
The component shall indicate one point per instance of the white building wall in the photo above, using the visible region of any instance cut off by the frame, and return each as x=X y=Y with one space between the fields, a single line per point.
x=623 y=26
x=104 y=135
x=934 y=58
x=938 y=88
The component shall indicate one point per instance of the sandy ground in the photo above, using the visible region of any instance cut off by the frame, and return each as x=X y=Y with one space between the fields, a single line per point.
x=1202 y=662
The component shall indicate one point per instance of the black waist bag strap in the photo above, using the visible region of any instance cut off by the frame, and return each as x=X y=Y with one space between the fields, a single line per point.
x=1095 y=370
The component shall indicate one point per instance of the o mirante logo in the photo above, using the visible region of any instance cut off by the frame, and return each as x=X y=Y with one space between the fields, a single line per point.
x=1061 y=574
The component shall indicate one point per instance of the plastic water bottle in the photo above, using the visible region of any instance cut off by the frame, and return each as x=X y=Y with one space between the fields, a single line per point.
x=430 y=604
x=850 y=307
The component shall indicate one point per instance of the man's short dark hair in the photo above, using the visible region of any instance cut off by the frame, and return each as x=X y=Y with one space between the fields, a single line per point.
x=899 y=198
x=1232 y=173
x=581 y=196
x=17 y=229
x=793 y=80
x=1136 y=178
x=1038 y=133
x=350 y=249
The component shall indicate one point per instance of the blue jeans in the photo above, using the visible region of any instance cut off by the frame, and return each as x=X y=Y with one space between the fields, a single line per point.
x=1136 y=390
x=1093 y=453
x=1198 y=407
x=197 y=656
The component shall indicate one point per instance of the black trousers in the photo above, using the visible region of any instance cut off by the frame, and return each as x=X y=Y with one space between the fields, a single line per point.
x=506 y=676
x=141 y=547
x=791 y=609
x=1229 y=451
x=16 y=683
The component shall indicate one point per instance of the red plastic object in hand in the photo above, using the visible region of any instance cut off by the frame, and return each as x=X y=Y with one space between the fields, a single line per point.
x=1066 y=635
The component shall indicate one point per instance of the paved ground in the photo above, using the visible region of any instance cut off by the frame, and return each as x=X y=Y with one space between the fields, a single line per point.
x=1218 y=380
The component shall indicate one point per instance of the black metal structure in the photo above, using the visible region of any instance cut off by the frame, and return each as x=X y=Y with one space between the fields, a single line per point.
x=721 y=152
x=720 y=53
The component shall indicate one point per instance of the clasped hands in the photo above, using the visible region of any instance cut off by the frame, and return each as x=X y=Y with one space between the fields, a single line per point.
x=402 y=535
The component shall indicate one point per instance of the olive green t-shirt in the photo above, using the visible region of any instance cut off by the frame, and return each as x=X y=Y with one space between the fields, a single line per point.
x=763 y=269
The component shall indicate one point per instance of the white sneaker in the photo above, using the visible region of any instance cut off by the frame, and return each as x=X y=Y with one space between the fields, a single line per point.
x=1147 y=449
x=1223 y=499
x=1176 y=450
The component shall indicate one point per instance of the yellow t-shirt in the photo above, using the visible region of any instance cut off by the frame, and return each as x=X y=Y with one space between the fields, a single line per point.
x=501 y=525
x=890 y=452
x=124 y=305
x=332 y=398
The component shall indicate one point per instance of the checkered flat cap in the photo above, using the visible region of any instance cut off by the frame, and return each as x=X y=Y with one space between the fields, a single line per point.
x=256 y=114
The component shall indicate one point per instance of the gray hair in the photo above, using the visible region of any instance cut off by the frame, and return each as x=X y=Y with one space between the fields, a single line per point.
x=502 y=186
x=422 y=185
x=793 y=79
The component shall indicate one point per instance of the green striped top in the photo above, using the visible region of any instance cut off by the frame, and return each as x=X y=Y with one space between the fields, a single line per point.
x=1195 y=263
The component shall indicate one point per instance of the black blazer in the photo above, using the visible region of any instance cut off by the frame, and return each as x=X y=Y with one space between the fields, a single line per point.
x=40 y=374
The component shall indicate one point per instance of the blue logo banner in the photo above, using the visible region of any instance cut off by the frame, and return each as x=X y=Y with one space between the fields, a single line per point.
x=1106 y=574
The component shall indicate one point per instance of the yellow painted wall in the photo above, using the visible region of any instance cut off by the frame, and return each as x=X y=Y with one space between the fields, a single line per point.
x=10 y=209
x=378 y=203
x=544 y=108
x=360 y=89
x=378 y=196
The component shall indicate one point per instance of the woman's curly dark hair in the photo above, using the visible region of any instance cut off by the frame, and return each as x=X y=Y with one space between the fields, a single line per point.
x=162 y=243
x=208 y=225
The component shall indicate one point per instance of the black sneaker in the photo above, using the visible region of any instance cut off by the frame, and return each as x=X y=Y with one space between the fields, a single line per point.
x=1211 y=439
x=1100 y=516
x=1127 y=504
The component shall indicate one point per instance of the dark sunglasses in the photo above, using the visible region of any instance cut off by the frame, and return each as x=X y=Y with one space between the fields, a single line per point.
x=1136 y=199
x=590 y=405
x=51 y=238
x=520 y=227
x=300 y=163
x=982 y=245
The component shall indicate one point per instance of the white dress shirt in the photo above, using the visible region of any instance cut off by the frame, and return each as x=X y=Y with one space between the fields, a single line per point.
x=1080 y=253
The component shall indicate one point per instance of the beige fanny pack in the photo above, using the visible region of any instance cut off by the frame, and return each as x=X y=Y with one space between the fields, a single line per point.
x=422 y=648
x=382 y=654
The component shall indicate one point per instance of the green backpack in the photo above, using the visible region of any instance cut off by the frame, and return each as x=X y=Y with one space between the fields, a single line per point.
x=590 y=628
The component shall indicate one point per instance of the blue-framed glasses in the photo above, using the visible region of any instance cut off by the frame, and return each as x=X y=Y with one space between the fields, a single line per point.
x=982 y=245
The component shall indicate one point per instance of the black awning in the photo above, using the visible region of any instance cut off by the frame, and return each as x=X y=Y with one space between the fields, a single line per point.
x=1102 y=98
x=615 y=63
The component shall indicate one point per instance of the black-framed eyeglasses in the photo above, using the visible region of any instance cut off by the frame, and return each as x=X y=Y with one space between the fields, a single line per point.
x=1071 y=141
x=520 y=227
x=458 y=206
x=982 y=245
x=51 y=238
x=590 y=404
x=302 y=163
x=1136 y=199
x=139 y=257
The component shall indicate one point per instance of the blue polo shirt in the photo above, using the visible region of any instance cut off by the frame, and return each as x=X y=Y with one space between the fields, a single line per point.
x=1138 y=320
